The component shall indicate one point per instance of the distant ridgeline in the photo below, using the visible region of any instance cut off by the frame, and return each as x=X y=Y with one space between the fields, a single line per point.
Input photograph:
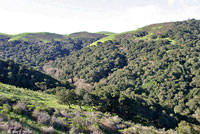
x=150 y=76
x=35 y=49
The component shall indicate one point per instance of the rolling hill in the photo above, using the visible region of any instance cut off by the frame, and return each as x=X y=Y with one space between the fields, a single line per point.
x=144 y=81
x=35 y=49
x=106 y=33
x=158 y=63
x=26 y=111
x=43 y=36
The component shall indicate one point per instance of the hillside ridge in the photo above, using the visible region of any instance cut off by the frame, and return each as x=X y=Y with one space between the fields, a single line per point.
x=144 y=81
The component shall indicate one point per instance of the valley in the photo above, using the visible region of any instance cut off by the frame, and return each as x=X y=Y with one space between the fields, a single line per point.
x=145 y=81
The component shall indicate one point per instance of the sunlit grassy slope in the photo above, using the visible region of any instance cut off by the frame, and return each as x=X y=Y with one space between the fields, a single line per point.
x=34 y=97
x=155 y=29
x=14 y=93
x=110 y=37
x=48 y=37
x=42 y=36
x=38 y=113
x=36 y=103
x=106 y=33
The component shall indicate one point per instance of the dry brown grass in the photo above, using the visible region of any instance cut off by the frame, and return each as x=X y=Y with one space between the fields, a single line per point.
x=49 y=130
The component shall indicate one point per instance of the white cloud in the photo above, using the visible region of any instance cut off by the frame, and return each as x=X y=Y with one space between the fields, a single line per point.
x=136 y=17
x=171 y=2
x=188 y=2
x=190 y=11
x=43 y=15
x=13 y=23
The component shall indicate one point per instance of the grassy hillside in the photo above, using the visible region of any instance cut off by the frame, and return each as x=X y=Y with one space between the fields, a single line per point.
x=43 y=36
x=106 y=33
x=32 y=110
x=110 y=37
x=46 y=37
x=86 y=35
x=154 y=31
x=4 y=34
x=26 y=111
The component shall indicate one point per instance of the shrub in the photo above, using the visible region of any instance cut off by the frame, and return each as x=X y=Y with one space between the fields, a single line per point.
x=30 y=107
x=6 y=108
x=49 y=130
x=17 y=128
x=153 y=36
x=4 y=126
x=66 y=114
x=20 y=108
x=59 y=123
x=42 y=117
x=187 y=128
x=17 y=110
x=4 y=100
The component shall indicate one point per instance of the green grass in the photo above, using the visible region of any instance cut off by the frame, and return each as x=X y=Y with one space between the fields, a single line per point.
x=106 y=33
x=111 y=37
x=5 y=34
x=151 y=29
x=20 y=37
x=41 y=36
x=34 y=97
x=11 y=92
x=36 y=100
x=114 y=36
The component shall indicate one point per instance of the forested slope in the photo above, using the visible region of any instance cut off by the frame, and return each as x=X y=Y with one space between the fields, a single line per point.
x=35 y=49
x=26 y=77
x=150 y=75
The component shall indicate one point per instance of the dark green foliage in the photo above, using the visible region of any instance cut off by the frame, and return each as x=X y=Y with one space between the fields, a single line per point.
x=149 y=76
x=26 y=111
x=79 y=97
x=22 y=76
x=92 y=63
x=163 y=72
x=67 y=96
x=187 y=128
x=35 y=49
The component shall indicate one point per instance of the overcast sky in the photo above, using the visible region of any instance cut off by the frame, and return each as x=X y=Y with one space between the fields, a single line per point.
x=68 y=16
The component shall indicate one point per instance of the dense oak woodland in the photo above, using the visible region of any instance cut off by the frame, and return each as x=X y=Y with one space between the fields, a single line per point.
x=26 y=77
x=150 y=76
x=34 y=49
x=92 y=63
